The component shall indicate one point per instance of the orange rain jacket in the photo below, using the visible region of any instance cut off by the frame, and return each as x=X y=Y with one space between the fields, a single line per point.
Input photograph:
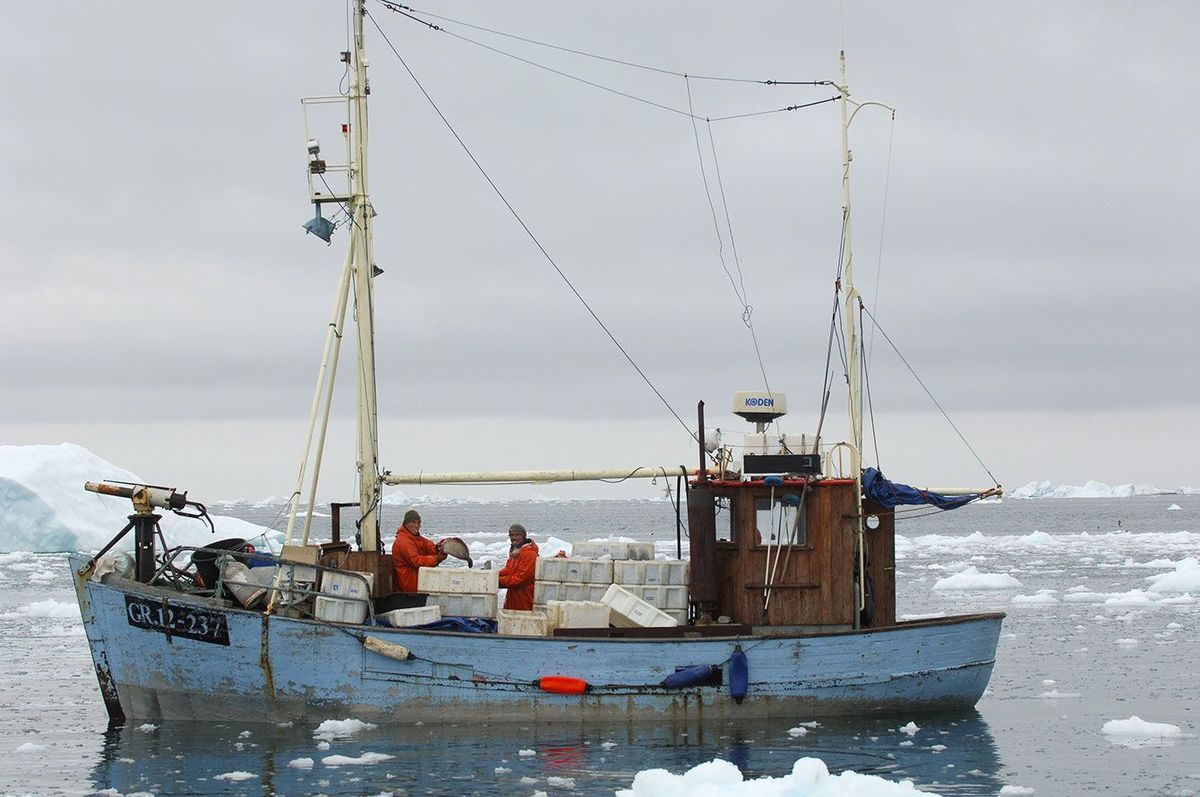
x=410 y=553
x=518 y=575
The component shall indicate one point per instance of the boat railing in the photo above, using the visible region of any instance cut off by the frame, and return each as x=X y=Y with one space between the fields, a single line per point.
x=283 y=590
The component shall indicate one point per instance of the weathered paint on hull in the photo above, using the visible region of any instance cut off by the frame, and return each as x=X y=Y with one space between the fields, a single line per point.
x=278 y=669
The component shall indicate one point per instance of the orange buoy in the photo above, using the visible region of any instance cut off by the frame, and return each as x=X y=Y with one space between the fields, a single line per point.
x=562 y=685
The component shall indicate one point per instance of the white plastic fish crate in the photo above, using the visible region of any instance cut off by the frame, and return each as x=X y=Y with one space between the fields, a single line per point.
x=576 y=614
x=459 y=580
x=611 y=549
x=661 y=572
x=680 y=615
x=546 y=591
x=661 y=597
x=630 y=611
x=460 y=604
x=416 y=615
x=347 y=584
x=339 y=610
x=515 y=622
x=575 y=570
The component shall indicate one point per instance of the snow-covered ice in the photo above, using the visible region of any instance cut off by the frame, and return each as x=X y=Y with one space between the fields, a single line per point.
x=43 y=506
x=345 y=760
x=809 y=777
x=972 y=579
x=337 y=729
x=1185 y=578
x=1136 y=731
x=235 y=776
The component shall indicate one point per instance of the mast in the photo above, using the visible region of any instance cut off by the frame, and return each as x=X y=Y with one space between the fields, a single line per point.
x=362 y=248
x=851 y=307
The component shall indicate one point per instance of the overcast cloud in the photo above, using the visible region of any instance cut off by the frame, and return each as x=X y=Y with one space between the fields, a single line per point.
x=161 y=305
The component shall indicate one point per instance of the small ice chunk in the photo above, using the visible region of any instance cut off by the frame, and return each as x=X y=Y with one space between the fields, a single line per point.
x=972 y=579
x=336 y=729
x=322 y=746
x=796 y=732
x=148 y=727
x=911 y=728
x=1135 y=731
x=1174 y=508
x=301 y=763
x=235 y=776
x=1127 y=643
x=1048 y=682
x=937 y=748
x=502 y=771
x=244 y=735
x=528 y=780
x=345 y=760
x=562 y=783
x=906 y=743
x=30 y=747
x=1007 y=790
x=608 y=745
x=526 y=753
x=1054 y=694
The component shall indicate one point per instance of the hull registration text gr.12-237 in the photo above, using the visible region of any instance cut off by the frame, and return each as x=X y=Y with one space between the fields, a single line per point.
x=175 y=620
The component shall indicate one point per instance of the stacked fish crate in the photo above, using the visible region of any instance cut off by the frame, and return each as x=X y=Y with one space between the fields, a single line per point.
x=662 y=583
x=596 y=566
x=344 y=596
x=460 y=592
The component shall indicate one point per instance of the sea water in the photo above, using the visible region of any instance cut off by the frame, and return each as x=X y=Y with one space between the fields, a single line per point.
x=1085 y=642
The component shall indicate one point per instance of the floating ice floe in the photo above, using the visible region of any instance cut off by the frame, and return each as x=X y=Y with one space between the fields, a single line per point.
x=972 y=579
x=235 y=776
x=809 y=776
x=337 y=729
x=911 y=728
x=345 y=760
x=1006 y=791
x=1054 y=694
x=1186 y=578
x=301 y=763
x=1135 y=731
x=1042 y=598
x=30 y=747
x=1174 y=508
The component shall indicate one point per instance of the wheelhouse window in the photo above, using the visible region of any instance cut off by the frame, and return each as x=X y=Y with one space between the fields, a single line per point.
x=725 y=520
x=776 y=523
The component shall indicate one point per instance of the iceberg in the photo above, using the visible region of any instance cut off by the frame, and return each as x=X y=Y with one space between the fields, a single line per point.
x=1094 y=489
x=44 y=508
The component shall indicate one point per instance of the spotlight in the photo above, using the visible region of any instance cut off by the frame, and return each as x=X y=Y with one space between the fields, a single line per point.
x=320 y=227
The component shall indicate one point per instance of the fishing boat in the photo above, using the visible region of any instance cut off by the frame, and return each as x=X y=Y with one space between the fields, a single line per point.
x=790 y=587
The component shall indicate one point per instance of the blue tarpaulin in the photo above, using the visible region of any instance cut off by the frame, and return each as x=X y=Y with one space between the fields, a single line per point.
x=889 y=494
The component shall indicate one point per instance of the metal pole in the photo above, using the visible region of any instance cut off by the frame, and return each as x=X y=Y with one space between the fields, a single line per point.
x=361 y=213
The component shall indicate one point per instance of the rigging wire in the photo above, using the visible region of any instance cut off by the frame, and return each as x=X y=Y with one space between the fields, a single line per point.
x=527 y=230
x=870 y=403
x=738 y=285
x=945 y=415
x=395 y=7
x=887 y=180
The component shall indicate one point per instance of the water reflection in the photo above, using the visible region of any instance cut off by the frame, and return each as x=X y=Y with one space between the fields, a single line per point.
x=950 y=756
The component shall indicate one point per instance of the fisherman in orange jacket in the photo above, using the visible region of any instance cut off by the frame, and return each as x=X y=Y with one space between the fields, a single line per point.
x=411 y=552
x=520 y=570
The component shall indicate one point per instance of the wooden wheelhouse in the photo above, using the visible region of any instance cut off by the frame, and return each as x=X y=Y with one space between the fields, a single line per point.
x=757 y=564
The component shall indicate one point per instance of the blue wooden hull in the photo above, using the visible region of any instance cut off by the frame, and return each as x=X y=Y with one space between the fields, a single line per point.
x=276 y=669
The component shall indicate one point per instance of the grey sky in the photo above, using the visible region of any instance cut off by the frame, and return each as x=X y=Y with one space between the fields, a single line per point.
x=162 y=307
